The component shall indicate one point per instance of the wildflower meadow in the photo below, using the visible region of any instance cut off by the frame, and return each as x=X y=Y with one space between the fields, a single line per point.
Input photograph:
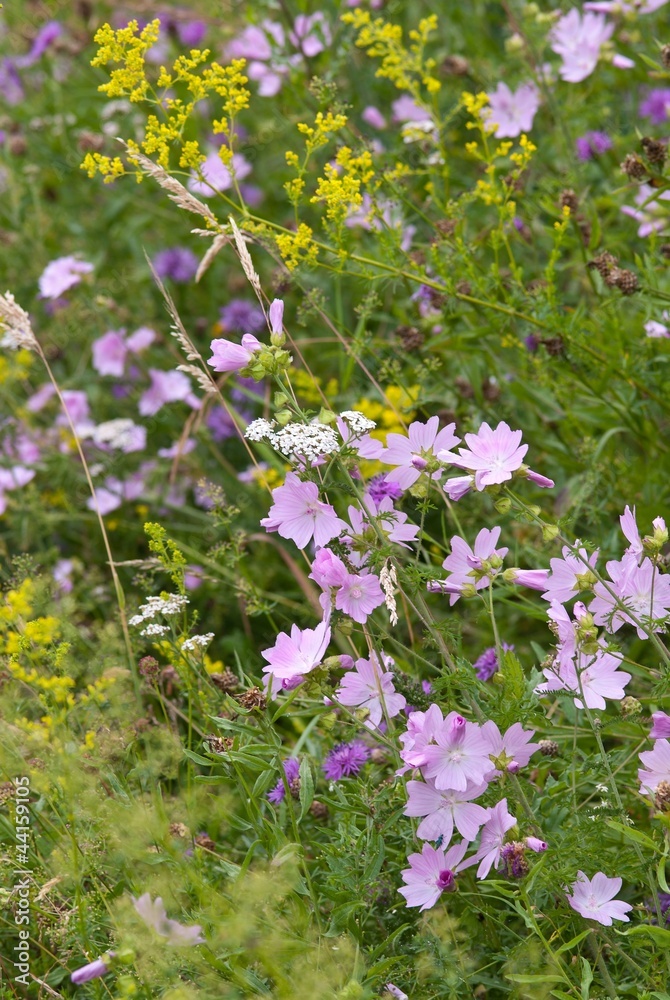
x=334 y=493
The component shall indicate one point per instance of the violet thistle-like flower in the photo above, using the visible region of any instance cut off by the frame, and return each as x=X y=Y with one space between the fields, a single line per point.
x=346 y=760
x=292 y=771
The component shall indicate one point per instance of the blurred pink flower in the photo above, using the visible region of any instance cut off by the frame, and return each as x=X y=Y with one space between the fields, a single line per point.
x=512 y=111
x=154 y=916
x=61 y=274
x=577 y=39
x=166 y=387
x=217 y=176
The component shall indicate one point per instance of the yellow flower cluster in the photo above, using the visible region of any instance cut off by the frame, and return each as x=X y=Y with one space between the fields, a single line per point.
x=319 y=133
x=406 y=67
x=129 y=48
x=306 y=386
x=15 y=366
x=298 y=247
x=165 y=131
x=340 y=189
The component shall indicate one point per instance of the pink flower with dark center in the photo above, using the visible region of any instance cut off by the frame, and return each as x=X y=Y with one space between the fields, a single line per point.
x=445 y=809
x=295 y=655
x=370 y=686
x=471 y=568
x=512 y=112
x=430 y=874
x=594 y=899
x=230 y=357
x=61 y=274
x=417 y=452
x=358 y=596
x=298 y=514
x=458 y=758
x=493 y=839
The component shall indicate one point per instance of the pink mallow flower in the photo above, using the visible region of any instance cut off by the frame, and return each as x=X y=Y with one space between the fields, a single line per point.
x=61 y=274
x=394 y=526
x=166 y=387
x=512 y=751
x=370 y=686
x=230 y=357
x=500 y=821
x=660 y=729
x=492 y=455
x=13 y=479
x=442 y=810
x=470 y=568
x=650 y=212
x=657 y=765
x=154 y=916
x=430 y=874
x=111 y=350
x=512 y=112
x=593 y=898
x=298 y=514
x=458 y=758
x=417 y=452
x=294 y=656
x=570 y=575
x=642 y=590
x=577 y=39
x=359 y=595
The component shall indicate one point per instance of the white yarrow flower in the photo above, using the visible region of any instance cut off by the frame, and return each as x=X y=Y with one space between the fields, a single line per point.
x=306 y=442
x=358 y=422
x=197 y=642
x=259 y=430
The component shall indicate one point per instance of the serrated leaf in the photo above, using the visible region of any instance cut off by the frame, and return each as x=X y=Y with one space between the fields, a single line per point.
x=306 y=787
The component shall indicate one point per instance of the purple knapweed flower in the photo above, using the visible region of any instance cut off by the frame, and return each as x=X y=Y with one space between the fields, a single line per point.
x=177 y=263
x=61 y=274
x=369 y=686
x=379 y=487
x=298 y=514
x=594 y=899
x=592 y=144
x=191 y=33
x=656 y=106
x=292 y=771
x=242 y=316
x=430 y=874
x=512 y=112
x=345 y=760
x=154 y=916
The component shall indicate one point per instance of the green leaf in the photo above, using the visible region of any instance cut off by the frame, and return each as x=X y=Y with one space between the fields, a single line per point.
x=572 y=942
x=561 y=995
x=659 y=934
x=587 y=979
x=306 y=787
x=630 y=834
x=547 y=977
x=660 y=875
x=198 y=758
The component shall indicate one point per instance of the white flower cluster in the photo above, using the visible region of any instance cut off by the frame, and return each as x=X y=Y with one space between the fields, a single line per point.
x=197 y=642
x=297 y=441
x=308 y=441
x=155 y=629
x=170 y=605
x=259 y=430
x=358 y=422
x=117 y=433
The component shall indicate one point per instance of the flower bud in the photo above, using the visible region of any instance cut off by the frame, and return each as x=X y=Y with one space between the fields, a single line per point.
x=280 y=399
x=278 y=339
x=346 y=626
x=326 y=416
x=549 y=532
x=535 y=845
x=503 y=505
x=468 y=590
x=630 y=706
x=283 y=417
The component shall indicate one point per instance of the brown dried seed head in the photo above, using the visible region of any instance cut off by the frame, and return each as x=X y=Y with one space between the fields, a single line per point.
x=654 y=150
x=318 y=810
x=411 y=337
x=568 y=199
x=662 y=797
x=227 y=681
x=604 y=263
x=220 y=744
x=455 y=66
x=627 y=282
x=634 y=167
x=253 y=698
x=204 y=840
x=549 y=748
x=178 y=830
